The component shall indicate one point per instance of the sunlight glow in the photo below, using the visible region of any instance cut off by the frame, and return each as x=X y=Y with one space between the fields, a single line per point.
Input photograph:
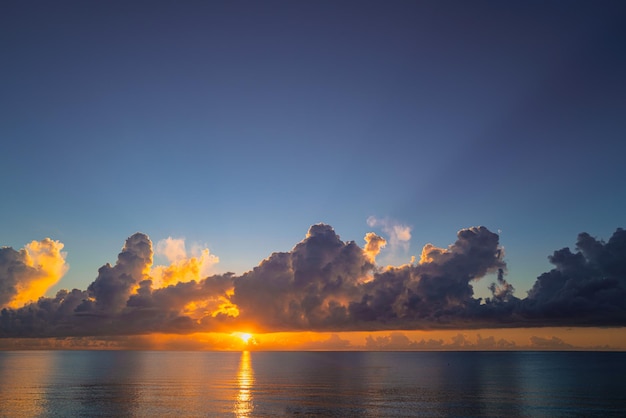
x=244 y=336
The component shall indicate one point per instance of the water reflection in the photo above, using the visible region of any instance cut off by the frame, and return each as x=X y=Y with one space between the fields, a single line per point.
x=25 y=377
x=244 y=405
x=378 y=384
x=99 y=378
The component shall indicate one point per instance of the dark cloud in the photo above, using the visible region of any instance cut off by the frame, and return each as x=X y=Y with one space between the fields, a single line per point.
x=437 y=291
x=114 y=285
x=587 y=287
x=12 y=269
x=56 y=316
x=326 y=284
x=306 y=288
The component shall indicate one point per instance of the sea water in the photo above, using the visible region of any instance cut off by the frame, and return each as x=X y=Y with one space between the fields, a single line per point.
x=359 y=384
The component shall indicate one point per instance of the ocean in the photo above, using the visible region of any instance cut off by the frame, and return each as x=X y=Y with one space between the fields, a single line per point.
x=358 y=384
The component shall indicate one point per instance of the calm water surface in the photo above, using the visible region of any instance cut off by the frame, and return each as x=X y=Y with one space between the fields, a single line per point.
x=363 y=384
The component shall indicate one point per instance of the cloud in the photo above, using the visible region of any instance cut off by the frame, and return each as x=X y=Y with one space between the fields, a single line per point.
x=306 y=288
x=156 y=341
x=502 y=290
x=325 y=284
x=399 y=341
x=587 y=287
x=490 y=343
x=121 y=301
x=553 y=343
x=27 y=274
x=172 y=248
x=399 y=234
x=437 y=291
x=183 y=267
x=373 y=245
x=393 y=341
x=322 y=284
x=114 y=284
x=334 y=342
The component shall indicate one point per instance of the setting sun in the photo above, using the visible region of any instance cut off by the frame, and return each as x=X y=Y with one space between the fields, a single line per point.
x=244 y=336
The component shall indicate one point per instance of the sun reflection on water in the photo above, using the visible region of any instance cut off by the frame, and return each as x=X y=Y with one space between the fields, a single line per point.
x=244 y=405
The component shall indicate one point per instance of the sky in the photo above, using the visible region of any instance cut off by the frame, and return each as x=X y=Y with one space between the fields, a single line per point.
x=473 y=139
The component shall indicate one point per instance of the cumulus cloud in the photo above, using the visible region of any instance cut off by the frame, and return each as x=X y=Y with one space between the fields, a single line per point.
x=586 y=287
x=322 y=284
x=373 y=245
x=114 y=284
x=184 y=266
x=122 y=301
x=27 y=274
x=398 y=233
x=306 y=288
x=437 y=291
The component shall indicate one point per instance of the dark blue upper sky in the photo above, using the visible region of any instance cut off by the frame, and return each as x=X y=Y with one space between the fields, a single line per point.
x=238 y=124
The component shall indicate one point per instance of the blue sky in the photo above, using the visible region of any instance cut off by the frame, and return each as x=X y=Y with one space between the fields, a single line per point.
x=237 y=125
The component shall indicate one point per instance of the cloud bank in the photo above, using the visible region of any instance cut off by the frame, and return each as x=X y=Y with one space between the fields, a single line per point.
x=322 y=284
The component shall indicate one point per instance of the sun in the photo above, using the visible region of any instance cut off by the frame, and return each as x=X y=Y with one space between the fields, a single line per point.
x=244 y=336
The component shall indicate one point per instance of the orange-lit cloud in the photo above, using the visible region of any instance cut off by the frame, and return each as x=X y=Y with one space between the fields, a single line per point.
x=429 y=252
x=183 y=267
x=26 y=275
x=373 y=245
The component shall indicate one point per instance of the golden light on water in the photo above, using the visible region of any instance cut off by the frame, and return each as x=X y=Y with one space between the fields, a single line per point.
x=244 y=404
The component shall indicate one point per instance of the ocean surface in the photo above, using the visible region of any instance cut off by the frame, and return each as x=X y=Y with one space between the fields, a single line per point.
x=359 y=384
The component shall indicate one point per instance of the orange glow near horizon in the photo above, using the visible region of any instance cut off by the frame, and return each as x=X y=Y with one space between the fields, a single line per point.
x=244 y=336
x=548 y=338
x=603 y=339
